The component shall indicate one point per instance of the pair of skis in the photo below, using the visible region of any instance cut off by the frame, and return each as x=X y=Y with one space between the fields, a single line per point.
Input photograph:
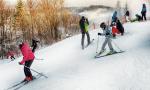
x=22 y=83
x=108 y=54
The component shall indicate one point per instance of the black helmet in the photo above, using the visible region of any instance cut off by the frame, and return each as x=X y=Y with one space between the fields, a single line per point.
x=83 y=17
x=103 y=25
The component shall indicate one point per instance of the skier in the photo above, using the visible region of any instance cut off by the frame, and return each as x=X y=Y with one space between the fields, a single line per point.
x=107 y=33
x=28 y=57
x=84 y=23
x=115 y=30
x=34 y=44
x=120 y=26
x=114 y=17
x=143 y=12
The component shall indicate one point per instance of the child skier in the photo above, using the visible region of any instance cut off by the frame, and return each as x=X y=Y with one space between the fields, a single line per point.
x=28 y=57
x=107 y=33
x=120 y=27
x=115 y=30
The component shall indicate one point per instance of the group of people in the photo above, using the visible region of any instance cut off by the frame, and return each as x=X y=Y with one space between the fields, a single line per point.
x=106 y=32
x=117 y=26
x=141 y=17
x=109 y=31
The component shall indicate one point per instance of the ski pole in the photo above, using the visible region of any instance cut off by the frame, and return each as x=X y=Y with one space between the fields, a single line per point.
x=116 y=46
x=38 y=58
x=36 y=72
x=97 y=44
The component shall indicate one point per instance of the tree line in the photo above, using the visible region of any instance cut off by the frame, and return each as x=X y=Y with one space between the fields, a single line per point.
x=47 y=20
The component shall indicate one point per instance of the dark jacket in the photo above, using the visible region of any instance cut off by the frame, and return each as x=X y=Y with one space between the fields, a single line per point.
x=83 y=24
x=114 y=17
x=120 y=26
x=144 y=9
x=34 y=44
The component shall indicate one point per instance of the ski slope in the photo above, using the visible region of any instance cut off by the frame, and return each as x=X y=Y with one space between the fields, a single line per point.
x=71 y=68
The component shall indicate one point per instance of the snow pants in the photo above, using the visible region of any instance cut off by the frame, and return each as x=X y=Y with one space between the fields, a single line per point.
x=27 y=66
x=107 y=41
x=83 y=36
x=143 y=15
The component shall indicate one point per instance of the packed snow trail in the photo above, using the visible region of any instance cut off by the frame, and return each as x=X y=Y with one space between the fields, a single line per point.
x=71 y=68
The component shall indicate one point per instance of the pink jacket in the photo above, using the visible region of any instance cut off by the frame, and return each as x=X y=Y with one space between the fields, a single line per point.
x=27 y=53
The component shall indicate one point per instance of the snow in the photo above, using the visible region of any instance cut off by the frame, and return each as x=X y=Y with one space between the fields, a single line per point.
x=71 y=68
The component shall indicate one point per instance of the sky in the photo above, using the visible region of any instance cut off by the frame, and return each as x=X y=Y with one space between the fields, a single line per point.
x=80 y=2
x=134 y=5
x=89 y=2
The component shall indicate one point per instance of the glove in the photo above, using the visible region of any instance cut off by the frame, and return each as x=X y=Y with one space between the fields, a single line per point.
x=99 y=34
x=20 y=63
x=107 y=33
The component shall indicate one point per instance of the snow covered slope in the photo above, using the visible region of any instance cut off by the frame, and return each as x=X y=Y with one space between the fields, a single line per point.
x=71 y=68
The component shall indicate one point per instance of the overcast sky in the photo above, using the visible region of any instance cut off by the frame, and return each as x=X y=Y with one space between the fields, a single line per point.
x=88 y=2
x=81 y=2
x=91 y=2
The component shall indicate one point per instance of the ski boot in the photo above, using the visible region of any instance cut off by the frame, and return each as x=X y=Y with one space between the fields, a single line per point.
x=102 y=51
x=111 y=52
x=28 y=79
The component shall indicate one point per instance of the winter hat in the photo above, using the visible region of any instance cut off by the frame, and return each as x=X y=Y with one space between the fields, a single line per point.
x=103 y=25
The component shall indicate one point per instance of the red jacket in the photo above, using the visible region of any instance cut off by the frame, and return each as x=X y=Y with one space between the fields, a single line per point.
x=115 y=30
x=27 y=53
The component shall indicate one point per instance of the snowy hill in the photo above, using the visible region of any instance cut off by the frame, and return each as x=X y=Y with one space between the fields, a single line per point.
x=71 y=68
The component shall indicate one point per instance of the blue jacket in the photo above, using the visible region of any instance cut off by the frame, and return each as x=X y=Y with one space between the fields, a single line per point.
x=107 y=32
x=143 y=9
x=114 y=17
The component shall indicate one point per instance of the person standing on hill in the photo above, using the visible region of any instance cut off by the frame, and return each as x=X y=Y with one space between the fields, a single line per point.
x=84 y=23
x=34 y=44
x=114 y=17
x=143 y=12
x=120 y=27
